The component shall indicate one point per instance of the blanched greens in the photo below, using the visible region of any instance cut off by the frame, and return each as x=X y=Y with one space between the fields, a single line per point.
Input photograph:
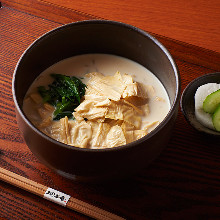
x=64 y=94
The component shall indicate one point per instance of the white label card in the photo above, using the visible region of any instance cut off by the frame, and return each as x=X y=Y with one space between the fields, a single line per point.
x=56 y=196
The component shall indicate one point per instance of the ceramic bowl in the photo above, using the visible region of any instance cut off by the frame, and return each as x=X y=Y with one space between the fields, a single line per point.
x=96 y=36
x=187 y=102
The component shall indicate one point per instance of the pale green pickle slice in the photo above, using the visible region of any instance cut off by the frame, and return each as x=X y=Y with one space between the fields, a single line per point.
x=211 y=102
x=216 y=118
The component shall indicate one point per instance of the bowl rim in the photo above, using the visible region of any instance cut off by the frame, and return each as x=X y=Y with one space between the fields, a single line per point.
x=106 y=22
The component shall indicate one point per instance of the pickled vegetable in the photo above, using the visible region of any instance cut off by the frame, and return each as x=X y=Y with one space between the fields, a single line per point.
x=211 y=102
x=216 y=118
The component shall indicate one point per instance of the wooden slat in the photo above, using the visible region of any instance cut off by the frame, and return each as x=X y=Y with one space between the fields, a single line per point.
x=54 y=12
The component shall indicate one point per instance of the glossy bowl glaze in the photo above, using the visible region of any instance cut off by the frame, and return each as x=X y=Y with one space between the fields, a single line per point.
x=96 y=36
x=187 y=102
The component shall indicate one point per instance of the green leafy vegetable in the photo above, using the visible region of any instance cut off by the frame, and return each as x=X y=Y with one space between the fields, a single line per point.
x=64 y=94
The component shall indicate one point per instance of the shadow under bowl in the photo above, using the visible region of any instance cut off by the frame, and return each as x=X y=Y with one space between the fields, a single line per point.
x=187 y=102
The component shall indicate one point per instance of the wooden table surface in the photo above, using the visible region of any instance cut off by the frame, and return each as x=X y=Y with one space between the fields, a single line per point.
x=184 y=181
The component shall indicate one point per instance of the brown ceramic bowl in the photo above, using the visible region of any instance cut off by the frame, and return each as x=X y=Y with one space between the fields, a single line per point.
x=96 y=36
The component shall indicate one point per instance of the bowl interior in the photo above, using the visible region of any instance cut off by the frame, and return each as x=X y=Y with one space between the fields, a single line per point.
x=187 y=102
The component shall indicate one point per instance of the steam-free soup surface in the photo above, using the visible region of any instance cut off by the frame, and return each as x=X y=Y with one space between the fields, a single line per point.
x=96 y=133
